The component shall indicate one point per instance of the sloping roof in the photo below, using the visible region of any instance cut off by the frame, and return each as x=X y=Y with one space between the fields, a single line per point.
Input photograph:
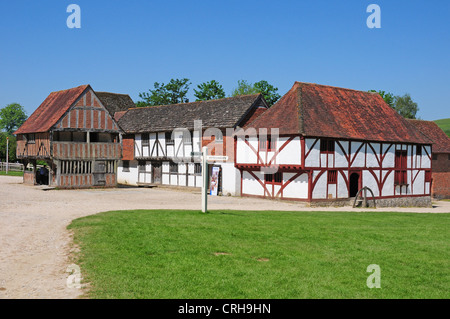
x=115 y=102
x=326 y=111
x=441 y=142
x=223 y=113
x=51 y=110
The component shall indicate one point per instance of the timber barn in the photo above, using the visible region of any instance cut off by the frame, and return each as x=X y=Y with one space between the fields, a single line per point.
x=440 y=174
x=158 y=141
x=330 y=142
x=75 y=133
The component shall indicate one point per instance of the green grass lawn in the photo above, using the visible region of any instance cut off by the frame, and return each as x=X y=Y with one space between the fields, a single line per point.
x=11 y=173
x=236 y=254
x=444 y=124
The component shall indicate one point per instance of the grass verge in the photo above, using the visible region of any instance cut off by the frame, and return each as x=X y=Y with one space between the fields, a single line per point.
x=235 y=254
x=11 y=173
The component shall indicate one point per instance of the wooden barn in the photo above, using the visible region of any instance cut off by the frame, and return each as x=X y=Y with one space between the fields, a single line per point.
x=74 y=132
x=159 y=140
x=440 y=174
x=322 y=144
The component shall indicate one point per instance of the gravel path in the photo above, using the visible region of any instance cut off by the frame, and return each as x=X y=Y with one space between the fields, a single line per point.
x=35 y=244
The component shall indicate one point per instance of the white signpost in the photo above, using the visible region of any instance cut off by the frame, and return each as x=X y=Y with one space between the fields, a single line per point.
x=205 y=159
x=7 y=154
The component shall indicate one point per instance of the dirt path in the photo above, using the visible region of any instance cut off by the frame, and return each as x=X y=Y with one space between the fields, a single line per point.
x=35 y=244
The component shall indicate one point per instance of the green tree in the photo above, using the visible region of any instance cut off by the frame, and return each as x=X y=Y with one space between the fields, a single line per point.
x=12 y=117
x=267 y=90
x=11 y=147
x=405 y=106
x=244 y=88
x=173 y=92
x=388 y=97
x=211 y=90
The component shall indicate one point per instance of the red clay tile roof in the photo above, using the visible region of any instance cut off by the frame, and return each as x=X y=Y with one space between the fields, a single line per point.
x=51 y=110
x=325 y=111
x=441 y=142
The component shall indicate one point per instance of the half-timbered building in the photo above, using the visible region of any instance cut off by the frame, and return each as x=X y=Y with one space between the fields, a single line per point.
x=75 y=133
x=440 y=174
x=322 y=144
x=161 y=143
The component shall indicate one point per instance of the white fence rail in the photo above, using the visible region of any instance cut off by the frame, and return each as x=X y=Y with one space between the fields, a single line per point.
x=17 y=167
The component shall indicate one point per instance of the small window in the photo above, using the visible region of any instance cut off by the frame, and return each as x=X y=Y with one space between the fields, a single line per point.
x=125 y=166
x=169 y=140
x=218 y=138
x=332 y=177
x=141 y=165
x=326 y=146
x=187 y=138
x=198 y=168
x=427 y=176
x=30 y=139
x=419 y=150
x=276 y=178
x=145 y=139
x=173 y=168
x=267 y=144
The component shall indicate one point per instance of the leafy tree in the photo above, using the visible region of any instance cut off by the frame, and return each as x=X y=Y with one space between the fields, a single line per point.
x=405 y=106
x=11 y=147
x=211 y=90
x=267 y=90
x=173 y=92
x=244 y=88
x=389 y=98
x=12 y=117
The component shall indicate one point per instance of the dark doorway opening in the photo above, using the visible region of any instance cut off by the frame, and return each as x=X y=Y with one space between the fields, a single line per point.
x=354 y=184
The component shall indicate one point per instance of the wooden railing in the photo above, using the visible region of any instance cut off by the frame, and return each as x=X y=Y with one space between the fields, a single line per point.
x=73 y=150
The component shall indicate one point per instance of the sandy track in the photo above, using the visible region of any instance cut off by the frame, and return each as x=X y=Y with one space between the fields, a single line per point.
x=35 y=244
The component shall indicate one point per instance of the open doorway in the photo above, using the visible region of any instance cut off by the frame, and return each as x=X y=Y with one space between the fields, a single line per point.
x=354 y=183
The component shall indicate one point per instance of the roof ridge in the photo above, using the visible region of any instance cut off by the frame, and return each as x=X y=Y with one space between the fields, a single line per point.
x=77 y=87
x=333 y=87
x=198 y=102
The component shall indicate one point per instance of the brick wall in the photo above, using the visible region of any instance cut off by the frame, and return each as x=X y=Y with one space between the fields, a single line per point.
x=440 y=188
x=441 y=163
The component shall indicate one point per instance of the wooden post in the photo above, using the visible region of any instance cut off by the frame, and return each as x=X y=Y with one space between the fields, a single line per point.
x=7 y=154
x=204 y=179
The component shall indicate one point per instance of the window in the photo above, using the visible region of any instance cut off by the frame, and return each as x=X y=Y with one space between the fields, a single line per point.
x=141 y=166
x=30 y=139
x=419 y=150
x=169 y=140
x=187 y=138
x=427 y=176
x=198 y=169
x=218 y=138
x=332 y=177
x=125 y=166
x=145 y=139
x=276 y=178
x=267 y=144
x=435 y=157
x=173 y=168
x=400 y=168
x=326 y=146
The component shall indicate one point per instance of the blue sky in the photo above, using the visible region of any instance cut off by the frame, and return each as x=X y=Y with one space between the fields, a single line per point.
x=126 y=46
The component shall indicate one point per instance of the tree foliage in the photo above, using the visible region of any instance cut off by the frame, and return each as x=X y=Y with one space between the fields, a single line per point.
x=267 y=90
x=12 y=117
x=11 y=147
x=173 y=92
x=388 y=97
x=405 y=106
x=211 y=90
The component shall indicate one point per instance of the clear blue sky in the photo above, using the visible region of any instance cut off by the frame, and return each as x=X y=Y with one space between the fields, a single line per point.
x=126 y=46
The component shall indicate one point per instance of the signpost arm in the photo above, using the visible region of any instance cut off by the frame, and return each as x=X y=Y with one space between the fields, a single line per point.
x=204 y=179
